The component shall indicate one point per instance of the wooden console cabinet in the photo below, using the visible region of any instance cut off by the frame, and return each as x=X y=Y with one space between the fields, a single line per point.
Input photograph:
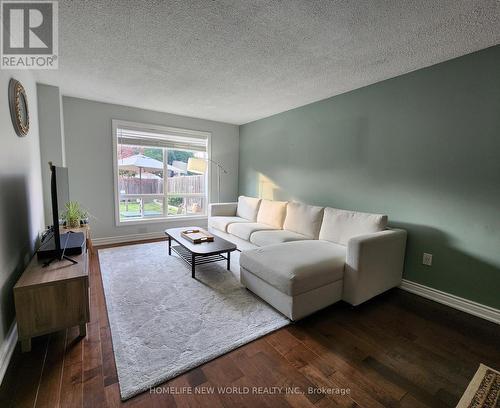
x=54 y=297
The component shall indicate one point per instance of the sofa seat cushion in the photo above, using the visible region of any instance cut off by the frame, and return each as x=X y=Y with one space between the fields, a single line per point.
x=248 y=208
x=303 y=219
x=263 y=238
x=296 y=267
x=339 y=226
x=243 y=230
x=221 y=223
x=272 y=213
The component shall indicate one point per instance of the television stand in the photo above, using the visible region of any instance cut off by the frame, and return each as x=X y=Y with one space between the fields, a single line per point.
x=67 y=258
x=53 y=297
x=66 y=238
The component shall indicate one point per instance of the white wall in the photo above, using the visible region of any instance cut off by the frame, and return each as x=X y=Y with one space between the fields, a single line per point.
x=88 y=141
x=21 y=203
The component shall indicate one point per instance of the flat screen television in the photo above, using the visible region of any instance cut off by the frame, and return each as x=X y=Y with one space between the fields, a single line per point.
x=57 y=246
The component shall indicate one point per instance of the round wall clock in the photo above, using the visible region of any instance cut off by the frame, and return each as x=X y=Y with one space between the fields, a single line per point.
x=18 y=102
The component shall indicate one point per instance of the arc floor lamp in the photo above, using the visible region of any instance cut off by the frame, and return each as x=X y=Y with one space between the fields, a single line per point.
x=199 y=166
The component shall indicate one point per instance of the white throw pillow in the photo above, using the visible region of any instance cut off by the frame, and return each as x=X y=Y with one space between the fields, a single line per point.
x=248 y=208
x=340 y=226
x=272 y=213
x=303 y=219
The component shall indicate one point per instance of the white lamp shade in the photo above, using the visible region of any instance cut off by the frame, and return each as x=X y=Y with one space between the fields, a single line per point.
x=197 y=165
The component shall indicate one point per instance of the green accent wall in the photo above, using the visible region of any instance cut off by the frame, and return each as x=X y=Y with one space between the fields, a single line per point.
x=423 y=148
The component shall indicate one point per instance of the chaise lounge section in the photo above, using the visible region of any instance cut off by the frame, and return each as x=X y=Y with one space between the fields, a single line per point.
x=301 y=258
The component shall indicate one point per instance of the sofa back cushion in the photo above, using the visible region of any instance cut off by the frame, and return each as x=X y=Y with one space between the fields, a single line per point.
x=248 y=208
x=340 y=226
x=272 y=213
x=303 y=219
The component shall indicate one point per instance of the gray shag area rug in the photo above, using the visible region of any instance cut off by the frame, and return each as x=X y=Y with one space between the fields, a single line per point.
x=164 y=323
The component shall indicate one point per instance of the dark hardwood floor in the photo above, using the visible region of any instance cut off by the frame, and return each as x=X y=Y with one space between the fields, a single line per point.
x=398 y=350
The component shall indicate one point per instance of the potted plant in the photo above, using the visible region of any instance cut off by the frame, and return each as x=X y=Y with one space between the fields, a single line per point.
x=73 y=214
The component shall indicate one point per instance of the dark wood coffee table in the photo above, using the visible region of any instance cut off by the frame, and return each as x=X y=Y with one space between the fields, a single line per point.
x=198 y=254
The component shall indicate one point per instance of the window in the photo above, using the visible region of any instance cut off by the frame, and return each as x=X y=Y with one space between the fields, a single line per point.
x=152 y=181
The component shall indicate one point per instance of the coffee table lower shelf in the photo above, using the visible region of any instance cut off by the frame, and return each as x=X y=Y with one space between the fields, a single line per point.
x=193 y=259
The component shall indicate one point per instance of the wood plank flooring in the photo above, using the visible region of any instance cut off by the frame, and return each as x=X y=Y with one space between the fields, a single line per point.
x=398 y=350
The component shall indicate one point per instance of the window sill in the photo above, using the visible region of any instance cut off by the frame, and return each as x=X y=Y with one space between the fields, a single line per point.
x=162 y=220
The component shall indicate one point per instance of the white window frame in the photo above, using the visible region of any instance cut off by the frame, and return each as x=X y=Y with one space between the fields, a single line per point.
x=116 y=124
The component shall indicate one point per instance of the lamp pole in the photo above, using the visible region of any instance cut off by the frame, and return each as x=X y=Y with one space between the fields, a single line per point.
x=220 y=170
x=193 y=165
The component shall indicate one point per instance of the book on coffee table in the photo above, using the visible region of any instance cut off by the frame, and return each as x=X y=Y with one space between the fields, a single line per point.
x=197 y=236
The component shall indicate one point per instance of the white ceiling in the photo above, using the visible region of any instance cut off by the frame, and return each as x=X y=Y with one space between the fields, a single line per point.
x=242 y=60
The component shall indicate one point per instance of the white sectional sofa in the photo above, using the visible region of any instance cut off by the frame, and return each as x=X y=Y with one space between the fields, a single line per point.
x=301 y=258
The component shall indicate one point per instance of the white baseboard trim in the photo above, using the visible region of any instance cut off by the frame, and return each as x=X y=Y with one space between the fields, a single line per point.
x=7 y=348
x=128 y=238
x=456 y=302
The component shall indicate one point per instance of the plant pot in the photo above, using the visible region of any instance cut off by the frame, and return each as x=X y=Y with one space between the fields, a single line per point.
x=73 y=223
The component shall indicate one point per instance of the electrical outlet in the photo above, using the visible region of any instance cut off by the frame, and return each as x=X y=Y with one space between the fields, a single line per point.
x=427 y=259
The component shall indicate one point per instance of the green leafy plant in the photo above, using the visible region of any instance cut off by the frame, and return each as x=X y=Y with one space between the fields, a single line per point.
x=73 y=214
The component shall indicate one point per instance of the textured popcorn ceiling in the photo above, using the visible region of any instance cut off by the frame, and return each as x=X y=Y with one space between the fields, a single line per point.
x=237 y=61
